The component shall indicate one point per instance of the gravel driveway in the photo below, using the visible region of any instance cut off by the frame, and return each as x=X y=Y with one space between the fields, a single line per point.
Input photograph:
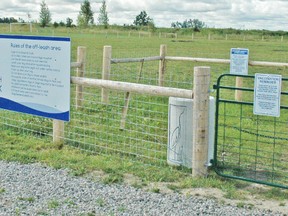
x=38 y=190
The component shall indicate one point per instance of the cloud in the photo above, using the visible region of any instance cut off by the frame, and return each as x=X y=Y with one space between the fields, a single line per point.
x=259 y=14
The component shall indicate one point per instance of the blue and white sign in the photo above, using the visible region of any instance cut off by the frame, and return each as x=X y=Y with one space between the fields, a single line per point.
x=239 y=61
x=35 y=75
x=267 y=93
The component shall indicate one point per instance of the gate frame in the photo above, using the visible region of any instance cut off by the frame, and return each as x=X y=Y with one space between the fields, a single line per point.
x=214 y=162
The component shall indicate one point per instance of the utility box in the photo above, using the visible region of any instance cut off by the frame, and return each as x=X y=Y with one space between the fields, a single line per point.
x=180 y=128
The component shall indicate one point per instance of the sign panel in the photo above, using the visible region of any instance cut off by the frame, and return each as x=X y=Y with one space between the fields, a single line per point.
x=267 y=92
x=35 y=75
x=239 y=61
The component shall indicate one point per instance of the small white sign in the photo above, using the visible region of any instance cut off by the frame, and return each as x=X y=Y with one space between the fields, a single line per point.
x=35 y=75
x=239 y=61
x=267 y=92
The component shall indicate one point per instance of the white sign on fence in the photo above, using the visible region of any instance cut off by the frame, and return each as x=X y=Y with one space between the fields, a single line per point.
x=267 y=92
x=239 y=61
x=35 y=75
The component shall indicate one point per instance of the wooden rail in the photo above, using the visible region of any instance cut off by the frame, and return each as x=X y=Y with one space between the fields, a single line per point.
x=128 y=60
x=204 y=60
x=133 y=87
x=226 y=61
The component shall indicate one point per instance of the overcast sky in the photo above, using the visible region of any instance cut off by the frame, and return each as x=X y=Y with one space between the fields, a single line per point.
x=239 y=14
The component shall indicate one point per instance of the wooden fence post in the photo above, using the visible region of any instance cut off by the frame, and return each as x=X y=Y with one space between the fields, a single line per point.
x=58 y=131
x=162 y=64
x=107 y=54
x=239 y=84
x=200 y=121
x=81 y=57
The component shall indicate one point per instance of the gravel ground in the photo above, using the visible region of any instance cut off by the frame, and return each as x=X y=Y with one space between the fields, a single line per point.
x=38 y=190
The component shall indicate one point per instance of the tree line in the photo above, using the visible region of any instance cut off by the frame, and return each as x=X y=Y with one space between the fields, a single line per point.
x=8 y=20
x=86 y=18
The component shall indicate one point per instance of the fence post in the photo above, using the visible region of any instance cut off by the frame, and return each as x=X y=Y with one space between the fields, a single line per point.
x=58 y=131
x=162 y=64
x=81 y=57
x=200 y=121
x=239 y=84
x=107 y=54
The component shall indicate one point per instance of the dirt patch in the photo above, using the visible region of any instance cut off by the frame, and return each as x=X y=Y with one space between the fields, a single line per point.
x=250 y=200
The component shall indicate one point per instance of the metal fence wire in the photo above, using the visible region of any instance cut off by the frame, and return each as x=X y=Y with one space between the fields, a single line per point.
x=250 y=147
x=143 y=133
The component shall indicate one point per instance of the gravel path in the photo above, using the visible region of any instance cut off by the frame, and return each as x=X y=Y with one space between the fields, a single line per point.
x=37 y=190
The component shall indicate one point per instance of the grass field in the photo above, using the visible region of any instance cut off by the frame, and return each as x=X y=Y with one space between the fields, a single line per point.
x=95 y=127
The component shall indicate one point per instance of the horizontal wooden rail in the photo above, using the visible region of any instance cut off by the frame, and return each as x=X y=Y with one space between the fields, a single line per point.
x=206 y=60
x=127 y=60
x=268 y=64
x=133 y=87
x=227 y=61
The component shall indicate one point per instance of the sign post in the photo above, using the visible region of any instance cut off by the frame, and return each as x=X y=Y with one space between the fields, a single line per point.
x=35 y=75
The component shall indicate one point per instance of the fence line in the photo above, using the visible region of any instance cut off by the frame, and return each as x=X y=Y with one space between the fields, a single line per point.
x=163 y=58
x=105 y=83
x=152 y=132
x=5 y=27
x=204 y=60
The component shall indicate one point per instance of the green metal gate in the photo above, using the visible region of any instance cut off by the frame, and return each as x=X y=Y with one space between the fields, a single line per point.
x=250 y=147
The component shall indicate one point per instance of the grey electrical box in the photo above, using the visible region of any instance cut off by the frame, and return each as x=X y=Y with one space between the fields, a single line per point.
x=180 y=137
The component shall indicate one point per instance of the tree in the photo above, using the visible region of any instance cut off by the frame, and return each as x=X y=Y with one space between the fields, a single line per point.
x=56 y=25
x=69 y=22
x=195 y=24
x=103 y=15
x=142 y=19
x=61 y=23
x=45 y=15
x=85 y=16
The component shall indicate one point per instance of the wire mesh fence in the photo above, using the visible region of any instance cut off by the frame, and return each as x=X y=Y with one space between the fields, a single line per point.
x=98 y=127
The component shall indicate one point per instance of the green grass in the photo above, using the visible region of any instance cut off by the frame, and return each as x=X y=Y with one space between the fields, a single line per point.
x=2 y=190
x=38 y=150
x=53 y=204
x=28 y=199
